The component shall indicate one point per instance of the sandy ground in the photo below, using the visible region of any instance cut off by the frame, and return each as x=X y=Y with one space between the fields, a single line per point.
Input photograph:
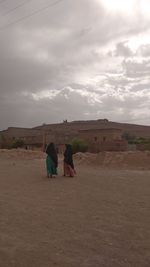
x=99 y=218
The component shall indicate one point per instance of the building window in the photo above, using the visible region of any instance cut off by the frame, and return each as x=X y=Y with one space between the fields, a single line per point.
x=104 y=138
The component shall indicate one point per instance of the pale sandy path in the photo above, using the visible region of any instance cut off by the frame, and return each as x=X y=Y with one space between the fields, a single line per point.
x=100 y=218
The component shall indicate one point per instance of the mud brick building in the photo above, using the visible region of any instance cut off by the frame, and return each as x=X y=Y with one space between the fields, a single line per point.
x=109 y=139
x=31 y=137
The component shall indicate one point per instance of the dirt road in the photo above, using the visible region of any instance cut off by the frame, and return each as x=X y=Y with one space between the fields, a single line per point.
x=100 y=218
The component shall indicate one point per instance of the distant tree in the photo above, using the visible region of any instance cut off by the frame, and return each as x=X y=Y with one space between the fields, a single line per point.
x=142 y=140
x=18 y=143
x=137 y=140
x=79 y=145
x=130 y=138
x=145 y=142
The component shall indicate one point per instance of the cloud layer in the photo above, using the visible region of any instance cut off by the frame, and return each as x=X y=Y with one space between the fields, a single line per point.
x=74 y=60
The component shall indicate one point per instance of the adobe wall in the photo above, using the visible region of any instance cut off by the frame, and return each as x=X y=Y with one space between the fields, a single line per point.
x=100 y=135
x=114 y=145
x=104 y=140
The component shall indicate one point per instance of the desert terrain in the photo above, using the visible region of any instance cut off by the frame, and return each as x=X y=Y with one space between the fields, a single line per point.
x=100 y=218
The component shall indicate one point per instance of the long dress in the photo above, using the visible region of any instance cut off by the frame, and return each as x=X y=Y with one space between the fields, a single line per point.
x=51 y=160
x=50 y=165
x=68 y=162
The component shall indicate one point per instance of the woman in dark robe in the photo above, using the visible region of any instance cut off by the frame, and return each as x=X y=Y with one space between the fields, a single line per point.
x=51 y=160
x=68 y=161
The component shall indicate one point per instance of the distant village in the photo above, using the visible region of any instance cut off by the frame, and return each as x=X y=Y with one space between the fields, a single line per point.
x=98 y=135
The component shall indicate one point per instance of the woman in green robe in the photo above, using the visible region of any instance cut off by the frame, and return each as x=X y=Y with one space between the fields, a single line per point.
x=51 y=160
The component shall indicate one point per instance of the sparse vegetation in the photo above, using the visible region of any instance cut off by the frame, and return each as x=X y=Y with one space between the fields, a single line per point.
x=129 y=137
x=17 y=143
x=142 y=140
x=145 y=142
x=79 y=145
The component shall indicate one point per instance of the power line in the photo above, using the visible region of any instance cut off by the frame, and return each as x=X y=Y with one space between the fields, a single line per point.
x=11 y=10
x=32 y=14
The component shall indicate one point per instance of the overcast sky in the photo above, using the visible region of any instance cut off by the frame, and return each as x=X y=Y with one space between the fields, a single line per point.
x=83 y=59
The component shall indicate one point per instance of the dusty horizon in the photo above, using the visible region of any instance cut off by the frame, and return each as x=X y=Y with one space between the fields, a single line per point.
x=61 y=122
